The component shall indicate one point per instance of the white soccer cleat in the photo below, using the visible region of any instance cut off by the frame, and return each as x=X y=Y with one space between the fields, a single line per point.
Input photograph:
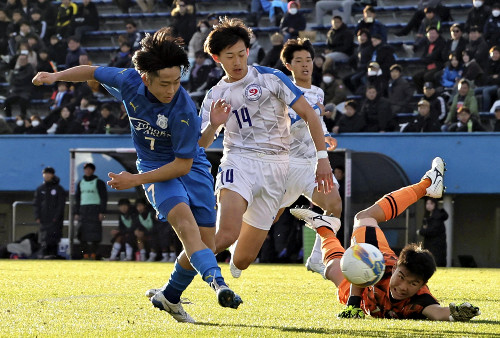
x=175 y=310
x=314 y=220
x=235 y=272
x=151 y=292
x=436 y=175
x=318 y=267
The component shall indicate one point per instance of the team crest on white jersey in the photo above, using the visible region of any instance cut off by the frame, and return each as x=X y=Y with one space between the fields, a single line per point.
x=253 y=92
x=162 y=121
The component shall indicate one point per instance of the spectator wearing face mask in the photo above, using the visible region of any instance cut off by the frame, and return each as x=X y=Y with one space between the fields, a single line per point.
x=492 y=27
x=477 y=16
x=199 y=37
x=369 y=22
x=292 y=22
x=37 y=126
x=376 y=78
x=22 y=125
x=334 y=88
x=256 y=53
x=86 y=115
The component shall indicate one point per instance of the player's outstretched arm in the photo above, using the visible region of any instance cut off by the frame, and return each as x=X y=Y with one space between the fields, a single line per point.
x=74 y=74
x=353 y=306
x=461 y=313
x=125 y=180
x=324 y=175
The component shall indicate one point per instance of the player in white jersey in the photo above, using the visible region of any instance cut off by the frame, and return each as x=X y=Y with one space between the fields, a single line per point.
x=297 y=56
x=251 y=104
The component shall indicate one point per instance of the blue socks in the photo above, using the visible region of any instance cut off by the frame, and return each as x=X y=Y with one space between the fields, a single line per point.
x=178 y=282
x=205 y=263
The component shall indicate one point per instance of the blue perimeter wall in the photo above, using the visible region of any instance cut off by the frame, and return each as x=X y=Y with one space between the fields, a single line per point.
x=473 y=160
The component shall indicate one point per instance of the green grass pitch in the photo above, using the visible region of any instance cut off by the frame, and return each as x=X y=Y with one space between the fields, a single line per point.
x=100 y=299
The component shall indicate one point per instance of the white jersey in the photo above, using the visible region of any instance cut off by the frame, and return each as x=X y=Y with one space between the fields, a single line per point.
x=302 y=145
x=259 y=121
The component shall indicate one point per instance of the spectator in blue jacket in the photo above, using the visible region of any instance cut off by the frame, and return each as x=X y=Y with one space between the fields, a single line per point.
x=453 y=71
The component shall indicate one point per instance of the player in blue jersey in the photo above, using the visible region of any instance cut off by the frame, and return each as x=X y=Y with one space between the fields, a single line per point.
x=173 y=169
x=251 y=103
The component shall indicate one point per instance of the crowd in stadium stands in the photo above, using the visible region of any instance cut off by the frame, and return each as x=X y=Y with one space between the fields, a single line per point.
x=452 y=80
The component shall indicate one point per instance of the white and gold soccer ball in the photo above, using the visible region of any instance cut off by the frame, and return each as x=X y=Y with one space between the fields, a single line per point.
x=363 y=264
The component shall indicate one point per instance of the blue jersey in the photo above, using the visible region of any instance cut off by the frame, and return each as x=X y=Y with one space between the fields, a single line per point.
x=160 y=131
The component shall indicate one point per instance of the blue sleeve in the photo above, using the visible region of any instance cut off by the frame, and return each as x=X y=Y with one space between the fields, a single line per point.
x=298 y=93
x=289 y=96
x=185 y=127
x=113 y=78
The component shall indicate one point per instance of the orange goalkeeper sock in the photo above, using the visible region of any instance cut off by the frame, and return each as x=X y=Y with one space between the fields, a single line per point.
x=330 y=245
x=398 y=201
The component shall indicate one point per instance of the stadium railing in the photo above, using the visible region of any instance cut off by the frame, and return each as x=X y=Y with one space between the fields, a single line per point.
x=17 y=205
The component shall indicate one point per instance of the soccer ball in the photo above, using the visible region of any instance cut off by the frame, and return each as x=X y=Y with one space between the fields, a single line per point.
x=363 y=264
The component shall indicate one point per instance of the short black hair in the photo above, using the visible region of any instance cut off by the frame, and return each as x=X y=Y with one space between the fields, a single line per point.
x=494 y=48
x=369 y=8
x=89 y=165
x=352 y=104
x=130 y=22
x=124 y=201
x=158 y=51
x=226 y=34
x=431 y=28
x=339 y=166
x=74 y=38
x=295 y=45
x=464 y=81
x=463 y=109
x=418 y=261
x=141 y=200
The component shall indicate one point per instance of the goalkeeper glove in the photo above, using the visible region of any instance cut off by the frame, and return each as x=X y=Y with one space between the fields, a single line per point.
x=352 y=312
x=463 y=312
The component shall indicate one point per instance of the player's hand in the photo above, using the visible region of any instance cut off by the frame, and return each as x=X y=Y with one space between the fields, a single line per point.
x=324 y=175
x=121 y=181
x=352 y=312
x=44 y=78
x=463 y=312
x=219 y=112
x=332 y=142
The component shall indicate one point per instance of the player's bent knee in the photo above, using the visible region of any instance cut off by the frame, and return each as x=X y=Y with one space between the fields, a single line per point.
x=243 y=263
x=225 y=239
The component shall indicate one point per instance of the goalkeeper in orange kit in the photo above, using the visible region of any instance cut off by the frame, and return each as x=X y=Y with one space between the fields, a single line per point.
x=402 y=292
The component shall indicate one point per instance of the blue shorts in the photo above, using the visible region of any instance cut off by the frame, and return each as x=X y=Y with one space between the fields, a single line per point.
x=196 y=189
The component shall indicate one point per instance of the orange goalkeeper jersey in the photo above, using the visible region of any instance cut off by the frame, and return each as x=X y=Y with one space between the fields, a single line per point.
x=376 y=300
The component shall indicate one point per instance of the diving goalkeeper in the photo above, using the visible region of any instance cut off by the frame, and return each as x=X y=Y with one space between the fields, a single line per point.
x=402 y=292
